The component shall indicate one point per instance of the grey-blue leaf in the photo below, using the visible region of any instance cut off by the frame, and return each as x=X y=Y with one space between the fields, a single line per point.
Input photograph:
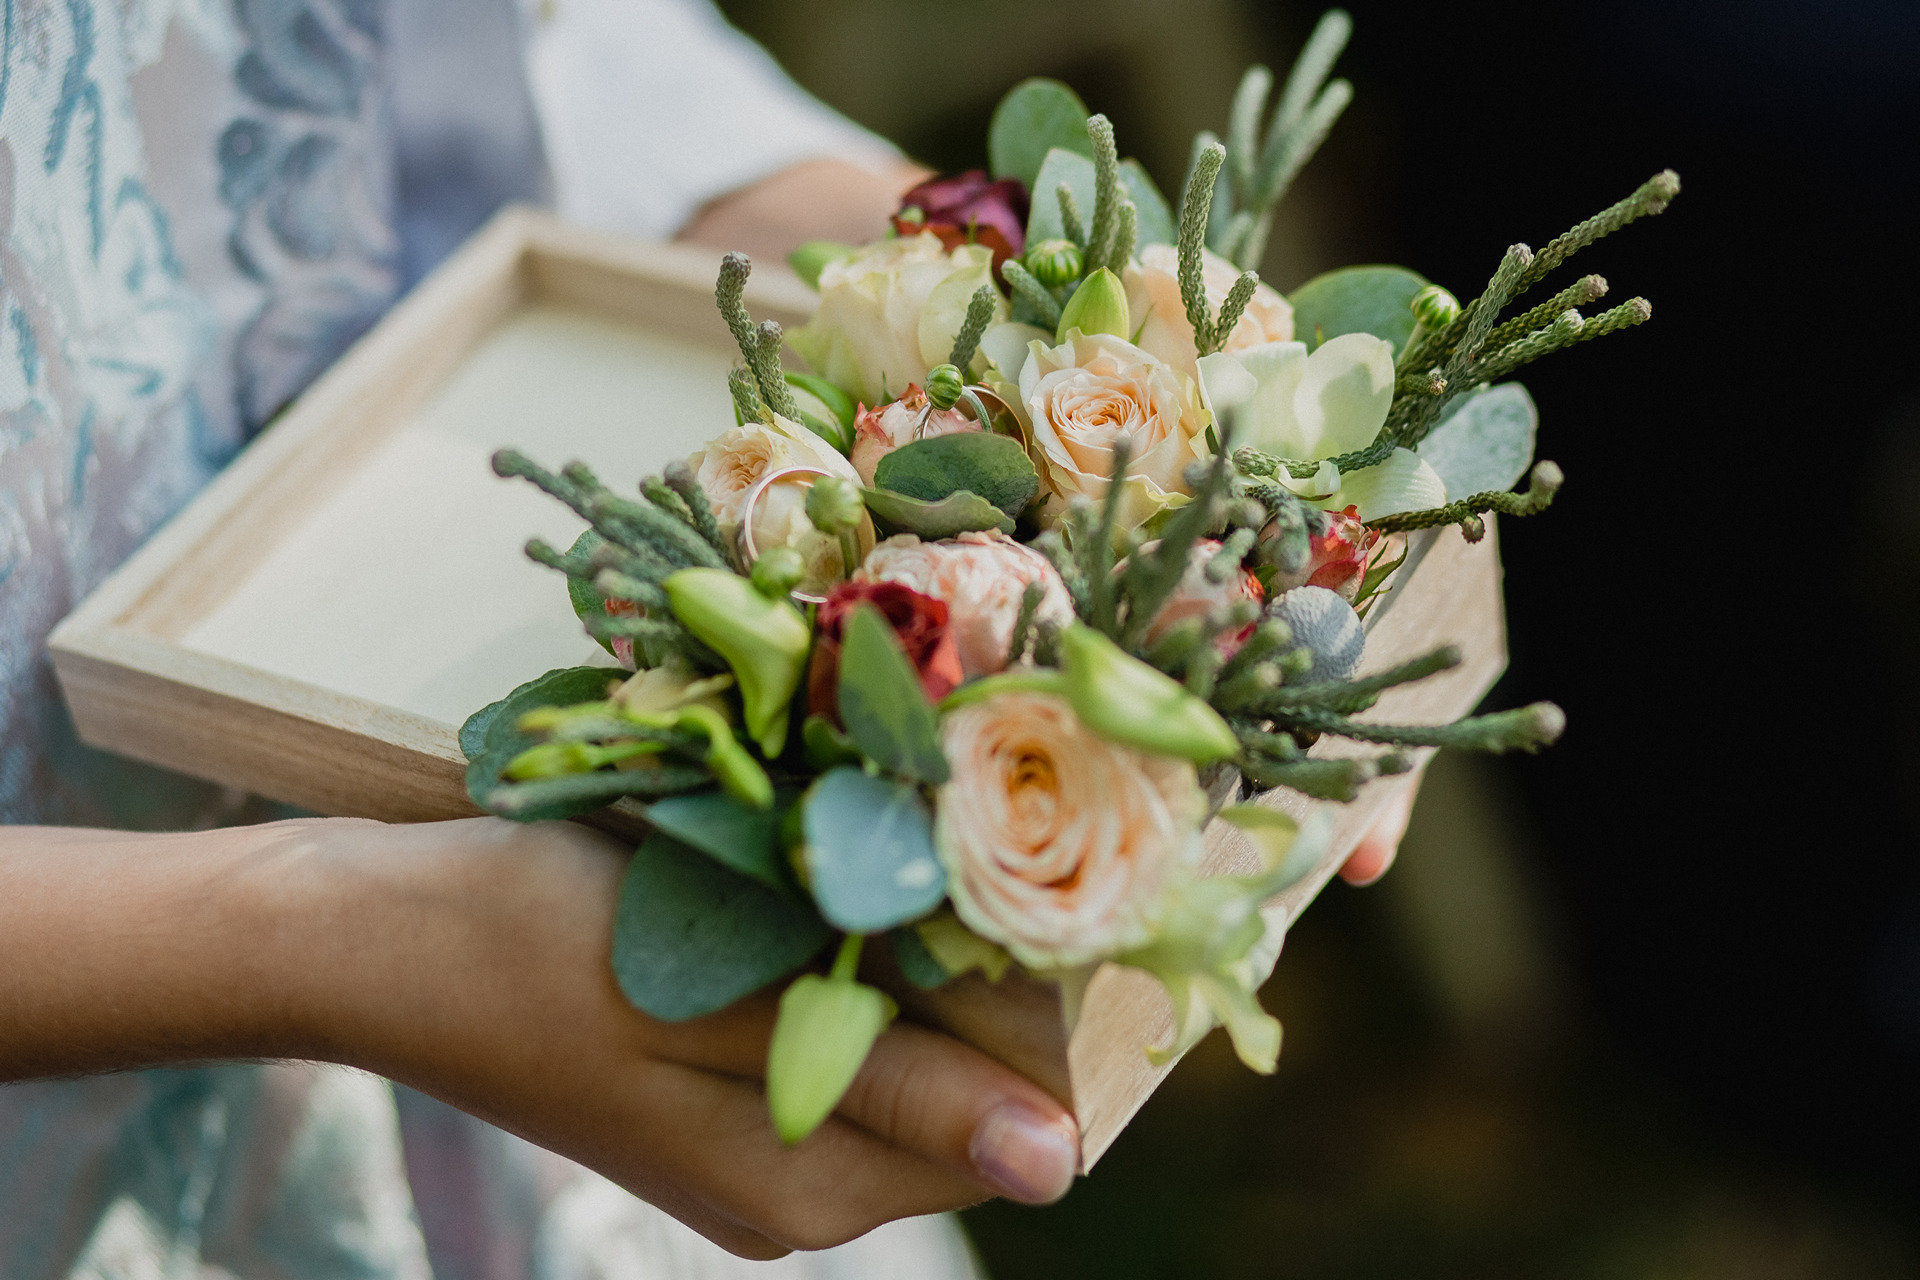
x=1328 y=627
x=870 y=854
x=690 y=937
x=1061 y=165
x=1485 y=443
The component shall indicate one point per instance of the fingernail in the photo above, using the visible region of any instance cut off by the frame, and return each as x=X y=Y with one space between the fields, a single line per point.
x=1024 y=1155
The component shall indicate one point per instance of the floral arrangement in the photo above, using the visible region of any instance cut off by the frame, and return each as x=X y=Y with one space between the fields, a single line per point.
x=1063 y=547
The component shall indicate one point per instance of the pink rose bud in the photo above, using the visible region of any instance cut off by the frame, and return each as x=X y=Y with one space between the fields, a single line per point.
x=878 y=432
x=1337 y=559
x=1197 y=596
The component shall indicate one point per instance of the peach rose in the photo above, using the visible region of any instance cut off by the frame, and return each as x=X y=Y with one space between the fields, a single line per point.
x=1160 y=314
x=1059 y=845
x=878 y=432
x=733 y=462
x=1090 y=392
x=982 y=577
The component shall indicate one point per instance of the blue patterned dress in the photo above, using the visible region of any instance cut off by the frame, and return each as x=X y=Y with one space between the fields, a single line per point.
x=202 y=202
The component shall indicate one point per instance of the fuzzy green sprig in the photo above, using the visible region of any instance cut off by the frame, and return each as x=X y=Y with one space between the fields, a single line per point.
x=1543 y=482
x=759 y=344
x=979 y=316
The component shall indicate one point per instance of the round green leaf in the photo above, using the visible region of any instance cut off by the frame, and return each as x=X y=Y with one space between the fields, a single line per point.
x=1485 y=443
x=732 y=834
x=961 y=512
x=1375 y=300
x=870 y=855
x=1035 y=116
x=690 y=937
x=993 y=466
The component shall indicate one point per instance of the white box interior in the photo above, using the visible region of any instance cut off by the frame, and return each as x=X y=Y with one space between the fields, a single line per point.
x=408 y=585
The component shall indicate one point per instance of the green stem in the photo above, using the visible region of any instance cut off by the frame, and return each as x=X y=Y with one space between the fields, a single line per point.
x=846 y=962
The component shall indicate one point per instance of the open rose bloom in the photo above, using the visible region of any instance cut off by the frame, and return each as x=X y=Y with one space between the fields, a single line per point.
x=1082 y=564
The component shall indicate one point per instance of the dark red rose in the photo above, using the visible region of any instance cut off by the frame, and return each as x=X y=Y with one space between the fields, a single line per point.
x=967 y=208
x=920 y=623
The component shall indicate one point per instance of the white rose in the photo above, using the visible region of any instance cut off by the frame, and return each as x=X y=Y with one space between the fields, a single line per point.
x=878 y=432
x=1059 y=845
x=732 y=463
x=1316 y=407
x=982 y=578
x=1160 y=314
x=890 y=312
x=1086 y=394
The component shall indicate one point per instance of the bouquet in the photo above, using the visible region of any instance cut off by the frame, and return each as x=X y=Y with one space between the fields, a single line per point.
x=1063 y=546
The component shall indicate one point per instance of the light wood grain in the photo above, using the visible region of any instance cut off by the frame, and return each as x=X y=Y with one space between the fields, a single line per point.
x=136 y=688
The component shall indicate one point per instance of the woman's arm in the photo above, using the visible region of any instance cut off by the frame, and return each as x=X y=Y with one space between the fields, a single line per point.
x=469 y=959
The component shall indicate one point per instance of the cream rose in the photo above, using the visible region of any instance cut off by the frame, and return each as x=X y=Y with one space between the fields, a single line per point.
x=1059 y=845
x=982 y=578
x=878 y=432
x=732 y=463
x=1160 y=314
x=1090 y=392
x=890 y=312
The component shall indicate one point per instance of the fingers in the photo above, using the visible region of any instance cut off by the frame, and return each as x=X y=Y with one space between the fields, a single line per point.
x=922 y=1091
x=711 y=1143
x=951 y=1104
x=1375 y=852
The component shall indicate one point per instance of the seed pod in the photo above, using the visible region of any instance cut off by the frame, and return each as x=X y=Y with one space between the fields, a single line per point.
x=1120 y=697
x=1435 y=308
x=1055 y=262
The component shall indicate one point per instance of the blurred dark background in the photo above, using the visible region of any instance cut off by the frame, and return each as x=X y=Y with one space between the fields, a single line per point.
x=1647 y=1005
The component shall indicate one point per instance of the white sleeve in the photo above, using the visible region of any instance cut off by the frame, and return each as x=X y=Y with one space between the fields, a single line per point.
x=650 y=108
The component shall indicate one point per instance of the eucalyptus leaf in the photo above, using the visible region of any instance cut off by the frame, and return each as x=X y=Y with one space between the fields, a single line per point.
x=886 y=712
x=1061 y=165
x=961 y=512
x=690 y=936
x=1153 y=217
x=744 y=839
x=494 y=725
x=1153 y=220
x=1375 y=300
x=1036 y=116
x=995 y=467
x=870 y=857
x=1484 y=444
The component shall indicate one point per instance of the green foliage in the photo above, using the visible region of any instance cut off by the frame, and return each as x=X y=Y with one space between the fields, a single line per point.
x=691 y=936
x=825 y=409
x=493 y=729
x=1035 y=117
x=869 y=851
x=1153 y=219
x=1375 y=300
x=587 y=600
x=882 y=704
x=825 y=746
x=811 y=258
x=737 y=836
x=1485 y=442
x=960 y=512
x=915 y=962
x=992 y=466
x=491 y=738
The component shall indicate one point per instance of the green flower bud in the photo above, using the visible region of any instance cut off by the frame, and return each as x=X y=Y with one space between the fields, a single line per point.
x=1099 y=305
x=764 y=640
x=1055 y=262
x=738 y=773
x=1122 y=698
x=944 y=385
x=835 y=506
x=778 y=571
x=822 y=1035
x=556 y=759
x=1435 y=308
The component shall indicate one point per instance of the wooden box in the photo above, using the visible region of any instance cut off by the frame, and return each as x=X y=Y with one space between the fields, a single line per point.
x=316 y=625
